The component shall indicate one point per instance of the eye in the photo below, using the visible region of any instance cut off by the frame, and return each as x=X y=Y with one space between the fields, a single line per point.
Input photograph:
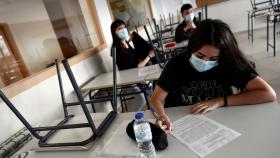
x=199 y=56
x=214 y=58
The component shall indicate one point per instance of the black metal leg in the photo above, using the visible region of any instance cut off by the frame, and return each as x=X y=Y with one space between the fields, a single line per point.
x=91 y=98
x=274 y=40
x=248 y=25
x=267 y=33
x=252 y=26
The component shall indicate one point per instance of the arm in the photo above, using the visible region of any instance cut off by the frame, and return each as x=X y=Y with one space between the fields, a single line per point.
x=142 y=63
x=257 y=91
x=156 y=102
x=183 y=31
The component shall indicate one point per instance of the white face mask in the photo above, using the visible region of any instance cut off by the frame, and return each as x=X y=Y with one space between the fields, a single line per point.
x=202 y=65
x=189 y=17
x=123 y=34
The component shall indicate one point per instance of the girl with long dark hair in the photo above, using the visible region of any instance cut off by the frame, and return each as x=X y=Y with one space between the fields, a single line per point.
x=209 y=69
x=126 y=56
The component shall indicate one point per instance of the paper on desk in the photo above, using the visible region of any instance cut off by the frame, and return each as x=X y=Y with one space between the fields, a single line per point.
x=148 y=70
x=201 y=134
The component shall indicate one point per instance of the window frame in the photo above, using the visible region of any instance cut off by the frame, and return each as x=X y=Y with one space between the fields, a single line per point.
x=36 y=78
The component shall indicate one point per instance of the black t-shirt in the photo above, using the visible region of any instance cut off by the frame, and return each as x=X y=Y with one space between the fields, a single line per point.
x=180 y=34
x=186 y=86
x=128 y=58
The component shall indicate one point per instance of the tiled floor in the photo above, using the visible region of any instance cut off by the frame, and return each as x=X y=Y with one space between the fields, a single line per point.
x=267 y=66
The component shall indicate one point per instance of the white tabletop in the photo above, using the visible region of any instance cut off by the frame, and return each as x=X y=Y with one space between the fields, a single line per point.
x=124 y=77
x=258 y=125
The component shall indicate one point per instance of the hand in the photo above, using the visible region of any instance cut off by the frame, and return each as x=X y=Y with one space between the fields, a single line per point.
x=205 y=106
x=151 y=54
x=190 y=25
x=164 y=123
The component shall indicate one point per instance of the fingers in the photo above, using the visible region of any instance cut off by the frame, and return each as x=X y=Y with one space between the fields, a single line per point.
x=200 y=109
x=165 y=124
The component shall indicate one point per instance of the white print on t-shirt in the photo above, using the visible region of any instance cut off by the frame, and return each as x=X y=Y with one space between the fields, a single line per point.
x=201 y=90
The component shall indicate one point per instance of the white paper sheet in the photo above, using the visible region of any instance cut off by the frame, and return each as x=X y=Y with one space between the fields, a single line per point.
x=148 y=70
x=201 y=134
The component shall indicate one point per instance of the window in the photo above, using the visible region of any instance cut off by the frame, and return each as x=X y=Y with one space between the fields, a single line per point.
x=132 y=12
x=44 y=30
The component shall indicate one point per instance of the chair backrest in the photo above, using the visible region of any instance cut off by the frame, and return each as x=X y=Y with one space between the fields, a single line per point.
x=156 y=51
x=275 y=5
x=259 y=3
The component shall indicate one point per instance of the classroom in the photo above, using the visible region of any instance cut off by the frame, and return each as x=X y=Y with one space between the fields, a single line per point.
x=82 y=69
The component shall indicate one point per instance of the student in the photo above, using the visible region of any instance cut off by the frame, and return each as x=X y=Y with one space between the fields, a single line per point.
x=185 y=29
x=211 y=65
x=126 y=56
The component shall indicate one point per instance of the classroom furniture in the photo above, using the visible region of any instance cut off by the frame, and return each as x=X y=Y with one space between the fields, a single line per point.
x=45 y=133
x=259 y=8
x=273 y=17
x=258 y=125
x=129 y=78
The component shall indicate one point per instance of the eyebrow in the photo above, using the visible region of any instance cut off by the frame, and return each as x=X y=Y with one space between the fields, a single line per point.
x=200 y=53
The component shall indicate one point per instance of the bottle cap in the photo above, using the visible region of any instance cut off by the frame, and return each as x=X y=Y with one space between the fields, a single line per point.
x=139 y=115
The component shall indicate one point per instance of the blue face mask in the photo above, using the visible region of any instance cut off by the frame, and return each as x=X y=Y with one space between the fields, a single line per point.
x=123 y=34
x=202 y=65
x=189 y=17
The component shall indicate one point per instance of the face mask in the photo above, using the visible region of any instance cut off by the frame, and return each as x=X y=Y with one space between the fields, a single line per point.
x=189 y=17
x=202 y=65
x=123 y=34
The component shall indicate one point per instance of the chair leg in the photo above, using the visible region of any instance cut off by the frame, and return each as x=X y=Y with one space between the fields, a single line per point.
x=92 y=104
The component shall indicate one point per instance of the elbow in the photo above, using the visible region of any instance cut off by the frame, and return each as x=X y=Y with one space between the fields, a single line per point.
x=272 y=96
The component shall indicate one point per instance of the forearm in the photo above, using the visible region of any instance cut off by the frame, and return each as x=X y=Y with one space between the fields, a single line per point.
x=144 y=62
x=157 y=106
x=251 y=97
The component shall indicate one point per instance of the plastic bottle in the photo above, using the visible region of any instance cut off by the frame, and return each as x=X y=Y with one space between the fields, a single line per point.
x=143 y=136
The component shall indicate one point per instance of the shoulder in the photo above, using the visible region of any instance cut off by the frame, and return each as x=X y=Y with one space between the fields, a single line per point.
x=177 y=62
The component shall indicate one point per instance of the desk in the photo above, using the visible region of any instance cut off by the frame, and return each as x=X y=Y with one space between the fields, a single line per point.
x=124 y=77
x=258 y=125
x=125 y=80
x=180 y=45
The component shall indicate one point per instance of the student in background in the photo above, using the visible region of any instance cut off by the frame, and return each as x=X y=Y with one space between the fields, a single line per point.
x=185 y=29
x=131 y=51
x=211 y=65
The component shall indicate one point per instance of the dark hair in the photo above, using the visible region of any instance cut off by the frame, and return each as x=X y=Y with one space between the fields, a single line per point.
x=185 y=7
x=114 y=26
x=218 y=34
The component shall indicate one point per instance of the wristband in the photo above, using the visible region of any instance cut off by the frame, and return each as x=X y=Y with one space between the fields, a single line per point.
x=225 y=100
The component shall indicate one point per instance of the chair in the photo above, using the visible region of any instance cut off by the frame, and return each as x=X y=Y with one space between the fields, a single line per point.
x=158 y=54
x=51 y=130
x=273 y=17
x=95 y=97
x=259 y=8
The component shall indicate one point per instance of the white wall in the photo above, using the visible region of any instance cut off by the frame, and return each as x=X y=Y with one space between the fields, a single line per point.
x=105 y=19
